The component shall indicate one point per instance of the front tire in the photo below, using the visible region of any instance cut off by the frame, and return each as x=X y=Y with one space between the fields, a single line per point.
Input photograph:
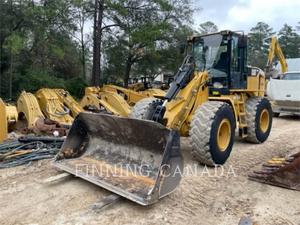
x=259 y=119
x=141 y=108
x=212 y=133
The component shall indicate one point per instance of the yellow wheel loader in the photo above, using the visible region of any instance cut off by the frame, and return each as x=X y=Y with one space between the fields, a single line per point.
x=213 y=94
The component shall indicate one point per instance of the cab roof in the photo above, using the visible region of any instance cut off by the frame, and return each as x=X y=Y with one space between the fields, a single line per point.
x=223 y=33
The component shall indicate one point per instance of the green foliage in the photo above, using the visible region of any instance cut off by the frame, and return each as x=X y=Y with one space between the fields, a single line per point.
x=76 y=86
x=207 y=27
x=289 y=41
x=14 y=43
x=259 y=44
x=44 y=43
x=259 y=41
x=32 y=80
x=38 y=47
x=57 y=52
x=144 y=37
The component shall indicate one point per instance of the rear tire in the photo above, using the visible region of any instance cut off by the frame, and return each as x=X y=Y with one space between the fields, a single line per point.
x=212 y=133
x=259 y=119
x=275 y=114
x=141 y=108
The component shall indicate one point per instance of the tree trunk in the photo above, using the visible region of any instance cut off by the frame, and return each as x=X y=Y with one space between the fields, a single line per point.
x=83 y=60
x=83 y=48
x=98 y=16
x=127 y=71
x=10 y=75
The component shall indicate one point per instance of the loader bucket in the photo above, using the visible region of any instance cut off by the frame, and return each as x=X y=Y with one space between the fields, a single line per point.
x=137 y=159
x=282 y=172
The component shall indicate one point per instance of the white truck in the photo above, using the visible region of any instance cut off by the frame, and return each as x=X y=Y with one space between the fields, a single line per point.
x=284 y=93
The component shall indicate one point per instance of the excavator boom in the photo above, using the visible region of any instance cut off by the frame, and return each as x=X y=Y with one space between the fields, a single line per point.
x=275 y=50
x=69 y=101
x=3 y=127
x=8 y=118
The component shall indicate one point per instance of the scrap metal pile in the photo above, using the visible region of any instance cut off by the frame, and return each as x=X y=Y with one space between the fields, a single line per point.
x=51 y=111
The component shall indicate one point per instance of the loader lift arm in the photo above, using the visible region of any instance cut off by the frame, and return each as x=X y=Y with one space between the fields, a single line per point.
x=182 y=78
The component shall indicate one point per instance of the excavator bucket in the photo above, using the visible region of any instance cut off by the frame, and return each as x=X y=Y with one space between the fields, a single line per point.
x=282 y=172
x=137 y=159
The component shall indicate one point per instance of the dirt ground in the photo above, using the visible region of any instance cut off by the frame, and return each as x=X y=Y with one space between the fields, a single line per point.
x=203 y=197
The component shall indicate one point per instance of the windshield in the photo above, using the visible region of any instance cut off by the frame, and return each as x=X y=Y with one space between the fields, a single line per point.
x=291 y=76
x=206 y=50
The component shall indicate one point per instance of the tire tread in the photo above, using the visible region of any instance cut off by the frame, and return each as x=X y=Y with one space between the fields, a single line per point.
x=200 y=131
x=141 y=107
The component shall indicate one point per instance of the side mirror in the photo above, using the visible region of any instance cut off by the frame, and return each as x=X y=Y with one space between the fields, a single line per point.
x=243 y=41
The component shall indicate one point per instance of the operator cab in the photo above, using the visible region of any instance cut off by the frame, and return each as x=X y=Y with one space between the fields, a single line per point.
x=223 y=55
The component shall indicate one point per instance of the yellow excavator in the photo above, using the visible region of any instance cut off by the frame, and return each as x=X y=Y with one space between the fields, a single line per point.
x=275 y=51
x=213 y=94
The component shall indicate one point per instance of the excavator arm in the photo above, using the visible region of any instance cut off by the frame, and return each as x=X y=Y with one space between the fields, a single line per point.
x=132 y=96
x=275 y=51
x=3 y=127
x=8 y=118
x=69 y=101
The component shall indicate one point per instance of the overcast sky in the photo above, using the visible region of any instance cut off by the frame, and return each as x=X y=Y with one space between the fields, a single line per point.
x=244 y=14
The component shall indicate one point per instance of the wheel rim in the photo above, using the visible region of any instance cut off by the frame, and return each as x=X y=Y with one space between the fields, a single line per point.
x=264 y=120
x=224 y=134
